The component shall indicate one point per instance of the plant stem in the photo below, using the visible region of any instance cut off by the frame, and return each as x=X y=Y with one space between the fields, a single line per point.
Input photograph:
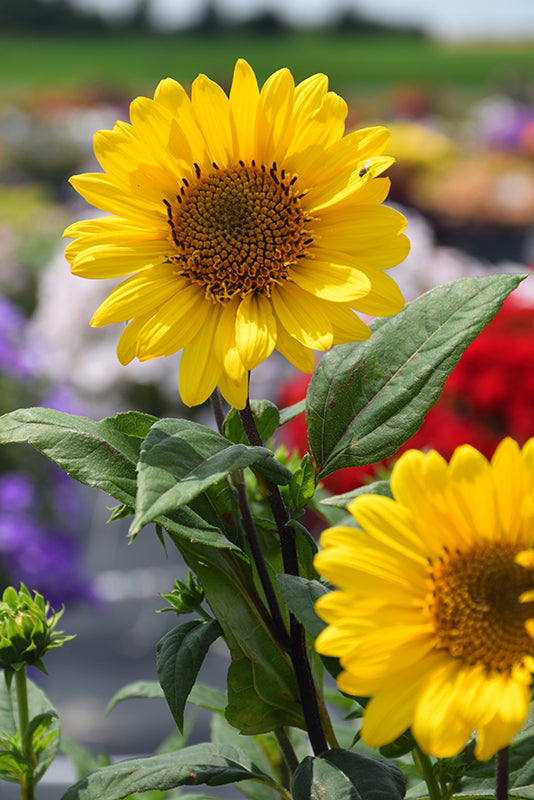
x=259 y=560
x=502 y=773
x=22 y=699
x=297 y=648
x=217 y=408
x=426 y=770
x=286 y=748
x=21 y=687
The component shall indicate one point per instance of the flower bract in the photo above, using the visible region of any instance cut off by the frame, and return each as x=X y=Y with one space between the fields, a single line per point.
x=433 y=612
x=245 y=223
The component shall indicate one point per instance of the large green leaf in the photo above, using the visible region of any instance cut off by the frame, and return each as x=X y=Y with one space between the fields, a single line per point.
x=345 y=775
x=102 y=454
x=179 y=656
x=180 y=459
x=366 y=399
x=212 y=764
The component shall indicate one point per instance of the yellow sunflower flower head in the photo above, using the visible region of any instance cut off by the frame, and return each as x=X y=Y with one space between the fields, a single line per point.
x=433 y=616
x=246 y=223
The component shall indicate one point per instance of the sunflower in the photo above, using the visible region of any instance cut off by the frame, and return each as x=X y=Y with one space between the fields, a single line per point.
x=246 y=223
x=434 y=614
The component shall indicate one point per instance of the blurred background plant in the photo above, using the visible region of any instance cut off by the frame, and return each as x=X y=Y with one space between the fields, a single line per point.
x=460 y=105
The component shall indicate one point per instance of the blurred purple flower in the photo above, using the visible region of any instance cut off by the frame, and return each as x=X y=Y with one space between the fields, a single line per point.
x=17 y=492
x=13 y=358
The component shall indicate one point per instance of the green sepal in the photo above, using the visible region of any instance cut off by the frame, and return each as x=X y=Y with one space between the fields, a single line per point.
x=346 y=775
x=366 y=399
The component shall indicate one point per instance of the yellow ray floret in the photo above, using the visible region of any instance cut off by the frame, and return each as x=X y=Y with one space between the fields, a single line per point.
x=433 y=614
x=247 y=223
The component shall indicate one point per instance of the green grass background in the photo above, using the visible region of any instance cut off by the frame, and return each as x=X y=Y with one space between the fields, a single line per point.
x=372 y=62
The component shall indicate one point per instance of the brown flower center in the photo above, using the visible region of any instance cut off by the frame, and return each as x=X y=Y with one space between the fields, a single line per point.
x=475 y=605
x=237 y=231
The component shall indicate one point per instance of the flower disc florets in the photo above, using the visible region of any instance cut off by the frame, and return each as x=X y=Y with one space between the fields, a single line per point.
x=238 y=231
x=26 y=629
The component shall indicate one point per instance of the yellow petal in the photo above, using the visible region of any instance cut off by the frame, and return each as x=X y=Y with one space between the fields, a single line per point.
x=174 y=325
x=113 y=260
x=331 y=280
x=273 y=119
x=199 y=369
x=255 y=327
x=299 y=355
x=214 y=114
x=173 y=97
x=127 y=344
x=244 y=96
x=302 y=316
x=139 y=295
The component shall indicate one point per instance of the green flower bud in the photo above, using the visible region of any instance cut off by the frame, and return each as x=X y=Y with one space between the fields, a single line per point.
x=26 y=629
x=185 y=598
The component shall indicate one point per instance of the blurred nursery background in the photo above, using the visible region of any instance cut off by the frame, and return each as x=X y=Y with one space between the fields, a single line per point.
x=455 y=84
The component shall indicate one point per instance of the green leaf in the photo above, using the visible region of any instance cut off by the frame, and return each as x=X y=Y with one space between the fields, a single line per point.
x=41 y=740
x=102 y=454
x=300 y=596
x=179 y=656
x=256 y=748
x=302 y=485
x=266 y=417
x=290 y=412
x=212 y=764
x=13 y=766
x=208 y=697
x=366 y=399
x=180 y=459
x=345 y=775
x=81 y=758
x=342 y=500
x=133 y=691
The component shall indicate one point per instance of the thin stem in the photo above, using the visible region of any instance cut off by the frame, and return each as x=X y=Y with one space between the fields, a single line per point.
x=22 y=699
x=27 y=789
x=426 y=770
x=259 y=560
x=290 y=757
x=217 y=408
x=502 y=773
x=297 y=649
